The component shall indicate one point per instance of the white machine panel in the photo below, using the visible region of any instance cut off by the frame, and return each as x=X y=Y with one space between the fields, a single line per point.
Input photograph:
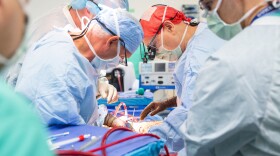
x=157 y=75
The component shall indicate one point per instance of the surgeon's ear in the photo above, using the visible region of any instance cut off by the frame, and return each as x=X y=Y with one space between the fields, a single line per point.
x=169 y=26
x=112 y=41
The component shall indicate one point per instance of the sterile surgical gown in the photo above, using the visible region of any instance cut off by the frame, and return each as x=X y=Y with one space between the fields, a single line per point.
x=59 y=81
x=199 y=48
x=236 y=108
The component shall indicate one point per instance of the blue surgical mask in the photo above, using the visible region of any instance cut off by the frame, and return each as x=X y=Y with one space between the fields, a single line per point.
x=221 y=28
x=169 y=55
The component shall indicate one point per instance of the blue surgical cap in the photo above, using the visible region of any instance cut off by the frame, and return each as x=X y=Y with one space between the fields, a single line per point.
x=93 y=8
x=114 y=3
x=130 y=29
x=78 y=4
x=81 y=4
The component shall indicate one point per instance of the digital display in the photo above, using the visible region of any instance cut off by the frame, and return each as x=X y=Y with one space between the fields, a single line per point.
x=171 y=67
x=146 y=68
x=159 y=67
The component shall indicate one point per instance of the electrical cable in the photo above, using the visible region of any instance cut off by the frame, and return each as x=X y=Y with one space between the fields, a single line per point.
x=104 y=145
x=107 y=134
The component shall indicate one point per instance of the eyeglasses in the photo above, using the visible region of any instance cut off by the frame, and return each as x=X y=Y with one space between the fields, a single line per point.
x=75 y=37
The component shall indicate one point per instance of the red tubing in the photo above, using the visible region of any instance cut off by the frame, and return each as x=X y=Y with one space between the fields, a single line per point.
x=107 y=134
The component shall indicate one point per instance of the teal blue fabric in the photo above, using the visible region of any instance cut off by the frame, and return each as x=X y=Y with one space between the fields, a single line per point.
x=141 y=101
x=21 y=131
x=274 y=13
x=152 y=149
x=135 y=58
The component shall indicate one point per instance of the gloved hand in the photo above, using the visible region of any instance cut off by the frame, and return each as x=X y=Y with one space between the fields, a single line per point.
x=156 y=107
x=107 y=91
x=144 y=127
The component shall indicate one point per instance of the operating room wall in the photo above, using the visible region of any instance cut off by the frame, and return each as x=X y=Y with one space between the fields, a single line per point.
x=37 y=8
x=137 y=7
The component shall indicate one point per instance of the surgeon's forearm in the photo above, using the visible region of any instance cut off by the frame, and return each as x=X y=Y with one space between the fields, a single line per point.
x=172 y=102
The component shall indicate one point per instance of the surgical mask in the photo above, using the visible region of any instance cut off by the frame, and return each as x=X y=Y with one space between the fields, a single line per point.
x=99 y=63
x=222 y=29
x=171 y=55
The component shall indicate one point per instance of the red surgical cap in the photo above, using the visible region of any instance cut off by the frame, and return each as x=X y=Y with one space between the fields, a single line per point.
x=152 y=18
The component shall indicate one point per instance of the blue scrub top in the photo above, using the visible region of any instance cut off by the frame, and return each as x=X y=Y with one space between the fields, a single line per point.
x=199 y=48
x=59 y=81
x=236 y=108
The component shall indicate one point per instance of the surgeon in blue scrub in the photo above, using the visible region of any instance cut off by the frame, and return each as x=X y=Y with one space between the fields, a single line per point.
x=59 y=74
x=236 y=109
x=175 y=37
x=59 y=17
